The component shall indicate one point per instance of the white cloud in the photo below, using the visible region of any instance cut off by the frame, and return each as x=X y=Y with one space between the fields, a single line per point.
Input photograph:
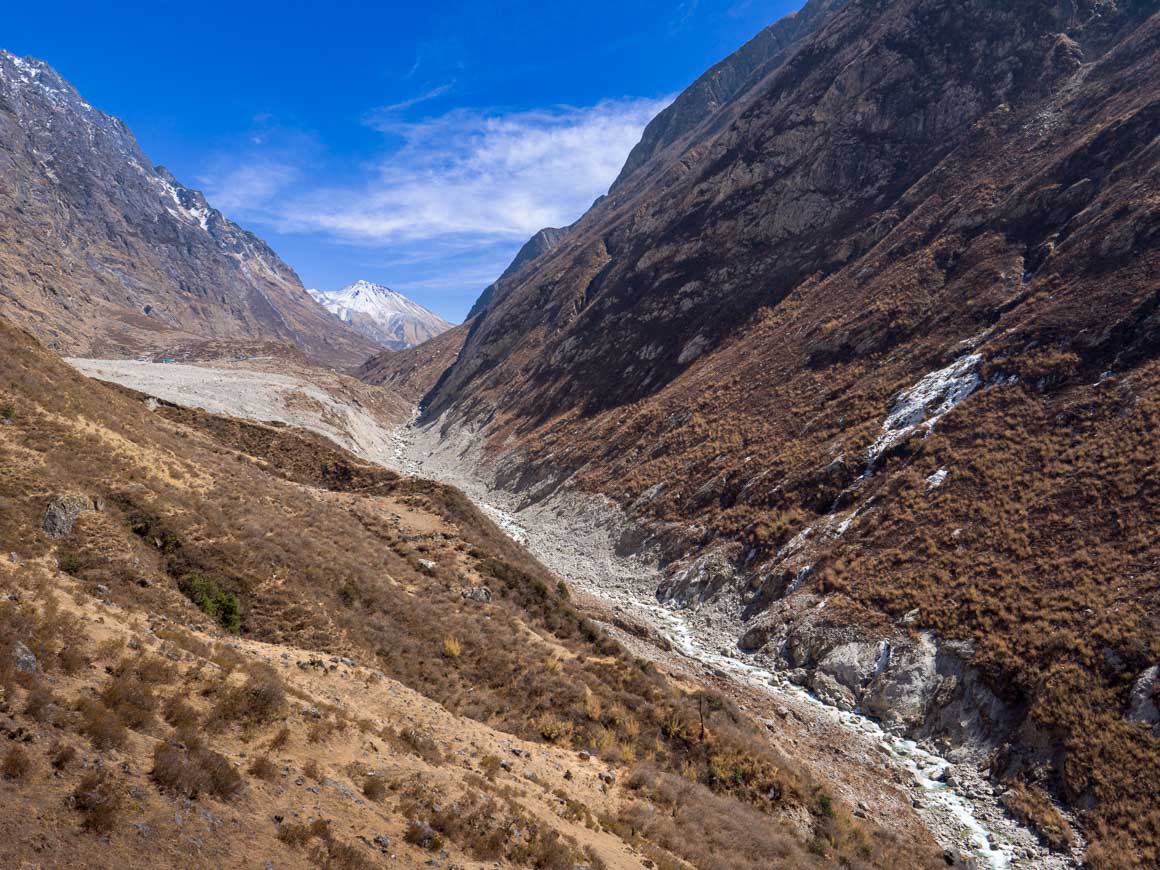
x=448 y=200
x=424 y=97
x=240 y=189
x=475 y=175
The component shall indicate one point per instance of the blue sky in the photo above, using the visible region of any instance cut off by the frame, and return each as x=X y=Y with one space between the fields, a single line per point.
x=414 y=144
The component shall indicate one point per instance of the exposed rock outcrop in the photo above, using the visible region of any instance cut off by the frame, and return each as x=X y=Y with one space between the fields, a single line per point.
x=62 y=512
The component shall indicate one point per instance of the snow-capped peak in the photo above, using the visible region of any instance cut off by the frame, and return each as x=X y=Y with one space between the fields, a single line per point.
x=381 y=313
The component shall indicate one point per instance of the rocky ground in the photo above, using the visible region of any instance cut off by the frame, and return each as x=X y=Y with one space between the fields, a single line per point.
x=888 y=778
x=577 y=535
x=342 y=409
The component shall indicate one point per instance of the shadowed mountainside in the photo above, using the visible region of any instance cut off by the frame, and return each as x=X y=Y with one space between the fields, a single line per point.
x=882 y=335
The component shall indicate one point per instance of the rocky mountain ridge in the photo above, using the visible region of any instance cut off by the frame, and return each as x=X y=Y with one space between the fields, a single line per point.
x=107 y=255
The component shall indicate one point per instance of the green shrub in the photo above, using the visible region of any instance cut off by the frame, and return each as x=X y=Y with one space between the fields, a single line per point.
x=220 y=606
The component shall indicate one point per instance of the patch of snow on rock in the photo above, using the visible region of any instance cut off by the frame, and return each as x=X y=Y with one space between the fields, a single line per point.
x=928 y=401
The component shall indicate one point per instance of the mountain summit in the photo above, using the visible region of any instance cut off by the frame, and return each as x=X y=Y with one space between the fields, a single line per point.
x=382 y=314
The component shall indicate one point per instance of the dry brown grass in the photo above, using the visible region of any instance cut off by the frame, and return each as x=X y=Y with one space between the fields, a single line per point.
x=16 y=765
x=327 y=850
x=288 y=551
x=1035 y=810
x=99 y=797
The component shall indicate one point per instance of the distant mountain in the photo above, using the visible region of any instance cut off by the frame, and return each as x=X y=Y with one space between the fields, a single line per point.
x=104 y=254
x=381 y=314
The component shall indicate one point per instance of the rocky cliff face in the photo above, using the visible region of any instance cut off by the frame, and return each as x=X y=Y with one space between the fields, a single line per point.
x=857 y=353
x=104 y=254
x=543 y=242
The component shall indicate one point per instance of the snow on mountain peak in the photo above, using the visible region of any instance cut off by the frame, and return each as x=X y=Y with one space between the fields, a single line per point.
x=382 y=314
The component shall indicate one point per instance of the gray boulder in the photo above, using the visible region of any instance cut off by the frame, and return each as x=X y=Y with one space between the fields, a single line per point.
x=478 y=594
x=1142 y=707
x=61 y=514
x=24 y=659
x=898 y=697
x=831 y=692
x=853 y=665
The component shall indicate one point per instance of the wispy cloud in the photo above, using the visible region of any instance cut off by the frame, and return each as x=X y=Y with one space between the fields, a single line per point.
x=480 y=175
x=446 y=201
x=424 y=97
x=242 y=188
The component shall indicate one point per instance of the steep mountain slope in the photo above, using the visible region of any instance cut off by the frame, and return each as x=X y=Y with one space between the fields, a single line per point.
x=382 y=315
x=226 y=643
x=103 y=254
x=413 y=373
x=543 y=242
x=869 y=359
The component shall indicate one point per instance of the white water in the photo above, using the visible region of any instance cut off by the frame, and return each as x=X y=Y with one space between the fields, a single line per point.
x=986 y=847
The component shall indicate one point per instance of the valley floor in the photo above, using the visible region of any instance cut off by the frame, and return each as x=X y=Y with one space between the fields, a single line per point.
x=888 y=779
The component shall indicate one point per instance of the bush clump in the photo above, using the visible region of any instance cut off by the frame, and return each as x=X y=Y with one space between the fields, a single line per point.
x=193 y=769
x=220 y=606
x=98 y=798
x=16 y=764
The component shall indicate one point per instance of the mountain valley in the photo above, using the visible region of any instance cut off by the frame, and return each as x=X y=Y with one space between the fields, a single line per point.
x=793 y=507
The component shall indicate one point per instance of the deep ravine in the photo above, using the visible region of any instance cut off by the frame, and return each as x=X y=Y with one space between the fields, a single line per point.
x=573 y=534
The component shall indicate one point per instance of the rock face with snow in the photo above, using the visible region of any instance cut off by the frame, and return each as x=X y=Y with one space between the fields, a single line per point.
x=104 y=254
x=382 y=315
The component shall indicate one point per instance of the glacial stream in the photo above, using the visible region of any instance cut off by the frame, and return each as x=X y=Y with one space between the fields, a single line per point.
x=951 y=815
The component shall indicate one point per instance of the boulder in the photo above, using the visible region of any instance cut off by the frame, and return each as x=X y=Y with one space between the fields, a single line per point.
x=830 y=691
x=479 y=594
x=899 y=696
x=1142 y=706
x=23 y=658
x=61 y=514
x=853 y=665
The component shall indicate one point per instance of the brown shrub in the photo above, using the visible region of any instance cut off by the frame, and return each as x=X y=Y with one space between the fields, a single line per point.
x=374 y=788
x=130 y=697
x=72 y=657
x=16 y=764
x=102 y=726
x=192 y=770
x=328 y=853
x=1035 y=810
x=293 y=834
x=311 y=770
x=180 y=713
x=98 y=797
x=263 y=768
x=62 y=755
x=281 y=739
x=41 y=705
x=259 y=700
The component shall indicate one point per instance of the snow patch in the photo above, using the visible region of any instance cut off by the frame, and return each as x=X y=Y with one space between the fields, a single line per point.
x=927 y=402
x=936 y=479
